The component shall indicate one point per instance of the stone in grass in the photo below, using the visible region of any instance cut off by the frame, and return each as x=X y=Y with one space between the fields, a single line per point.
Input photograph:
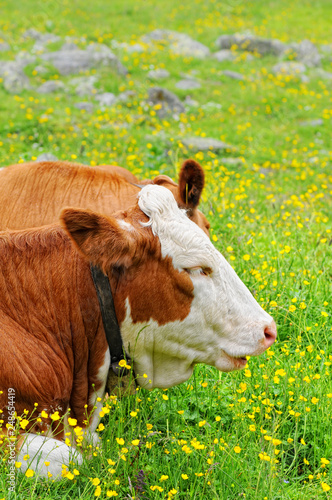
x=307 y=53
x=180 y=43
x=84 y=85
x=316 y=122
x=46 y=157
x=234 y=75
x=251 y=43
x=106 y=99
x=158 y=74
x=324 y=75
x=224 y=55
x=188 y=47
x=205 y=144
x=188 y=85
x=84 y=106
x=169 y=102
x=69 y=62
x=50 y=86
x=14 y=79
x=4 y=47
x=289 y=68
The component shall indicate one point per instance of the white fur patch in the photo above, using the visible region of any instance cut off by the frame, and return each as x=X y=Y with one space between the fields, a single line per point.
x=41 y=449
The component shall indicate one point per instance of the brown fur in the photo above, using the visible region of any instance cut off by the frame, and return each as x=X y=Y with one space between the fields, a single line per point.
x=33 y=194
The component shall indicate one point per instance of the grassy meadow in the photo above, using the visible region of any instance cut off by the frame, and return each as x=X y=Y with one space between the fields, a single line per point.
x=263 y=433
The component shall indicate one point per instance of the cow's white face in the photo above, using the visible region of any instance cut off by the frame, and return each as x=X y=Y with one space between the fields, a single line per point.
x=224 y=324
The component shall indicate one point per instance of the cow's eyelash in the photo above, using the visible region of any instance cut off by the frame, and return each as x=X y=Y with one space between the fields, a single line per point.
x=196 y=271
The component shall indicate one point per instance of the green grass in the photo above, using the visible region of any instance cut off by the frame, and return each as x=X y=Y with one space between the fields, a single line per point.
x=263 y=433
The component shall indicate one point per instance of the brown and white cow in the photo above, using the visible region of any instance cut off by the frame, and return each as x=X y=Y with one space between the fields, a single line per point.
x=33 y=194
x=177 y=300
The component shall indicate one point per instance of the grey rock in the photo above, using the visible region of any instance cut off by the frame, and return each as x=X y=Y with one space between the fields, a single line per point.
x=205 y=144
x=134 y=48
x=50 y=86
x=158 y=74
x=41 y=70
x=170 y=103
x=41 y=37
x=224 y=55
x=188 y=85
x=307 y=53
x=84 y=85
x=188 y=47
x=251 y=43
x=326 y=48
x=69 y=46
x=46 y=157
x=14 y=79
x=4 y=46
x=233 y=74
x=232 y=162
x=325 y=75
x=290 y=68
x=69 y=62
x=159 y=35
x=191 y=103
x=106 y=99
x=180 y=43
x=86 y=106
x=23 y=59
x=317 y=122
x=126 y=96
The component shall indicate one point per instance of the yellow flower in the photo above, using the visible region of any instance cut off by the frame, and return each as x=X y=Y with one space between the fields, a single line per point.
x=55 y=416
x=246 y=257
x=163 y=478
x=29 y=473
x=70 y=475
x=111 y=493
x=24 y=423
x=120 y=441
x=324 y=461
x=98 y=491
x=314 y=400
x=18 y=465
x=72 y=421
x=184 y=476
x=165 y=397
x=201 y=423
x=135 y=442
x=325 y=486
x=44 y=414
x=237 y=449
x=95 y=481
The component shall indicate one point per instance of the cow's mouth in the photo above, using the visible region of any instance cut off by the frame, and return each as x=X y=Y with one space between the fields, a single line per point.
x=238 y=362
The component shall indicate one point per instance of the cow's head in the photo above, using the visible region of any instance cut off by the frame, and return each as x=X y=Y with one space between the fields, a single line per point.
x=177 y=299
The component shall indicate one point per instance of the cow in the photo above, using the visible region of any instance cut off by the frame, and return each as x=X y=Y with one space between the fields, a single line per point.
x=177 y=300
x=32 y=194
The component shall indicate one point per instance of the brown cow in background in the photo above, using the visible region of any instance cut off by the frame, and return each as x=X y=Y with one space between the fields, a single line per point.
x=33 y=194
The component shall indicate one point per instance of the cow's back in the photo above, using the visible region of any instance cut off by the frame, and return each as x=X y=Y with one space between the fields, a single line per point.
x=34 y=195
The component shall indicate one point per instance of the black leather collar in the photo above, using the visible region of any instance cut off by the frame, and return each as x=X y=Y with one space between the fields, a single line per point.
x=110 y=322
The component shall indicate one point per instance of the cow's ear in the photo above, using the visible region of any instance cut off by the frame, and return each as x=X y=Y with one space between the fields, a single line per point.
x=191 y=183
x=104 y=241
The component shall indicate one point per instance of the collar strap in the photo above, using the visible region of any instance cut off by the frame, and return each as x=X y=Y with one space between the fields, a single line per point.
x=110 y=322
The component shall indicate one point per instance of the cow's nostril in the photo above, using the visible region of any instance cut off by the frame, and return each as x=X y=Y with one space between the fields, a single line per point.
x=270 y=333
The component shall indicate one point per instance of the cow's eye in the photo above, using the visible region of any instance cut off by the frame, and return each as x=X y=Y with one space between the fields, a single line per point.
x=199 y=271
